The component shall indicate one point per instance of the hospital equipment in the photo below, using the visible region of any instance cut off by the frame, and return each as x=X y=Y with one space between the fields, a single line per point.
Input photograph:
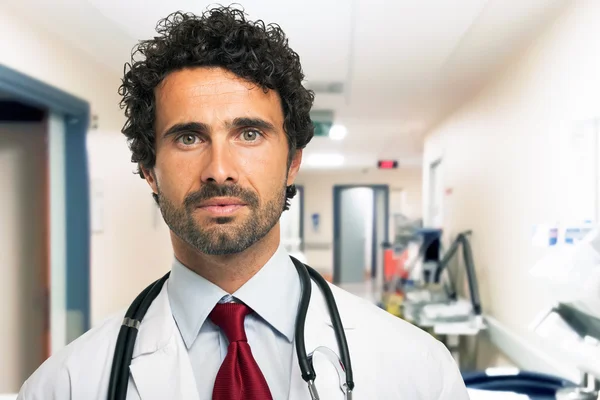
x=119 y=376
x=433 y=304
x=570 y=329
x=574 y=336
x=512 y=383
x=439 y=301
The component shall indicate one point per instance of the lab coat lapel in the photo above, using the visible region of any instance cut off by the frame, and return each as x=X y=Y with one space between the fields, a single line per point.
x=161 y=367
x=319 y=332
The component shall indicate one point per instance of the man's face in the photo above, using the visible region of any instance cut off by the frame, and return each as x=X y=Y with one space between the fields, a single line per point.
x=221 y=159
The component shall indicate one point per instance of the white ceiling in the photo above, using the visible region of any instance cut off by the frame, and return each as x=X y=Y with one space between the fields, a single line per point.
x=405 y=64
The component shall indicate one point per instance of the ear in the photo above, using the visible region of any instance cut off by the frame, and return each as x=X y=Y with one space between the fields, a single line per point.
x=150 y=178
x=294 y=167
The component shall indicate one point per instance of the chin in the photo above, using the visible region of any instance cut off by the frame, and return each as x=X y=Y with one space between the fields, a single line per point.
x=206 y=222
x=223 y=226
x=223 y=220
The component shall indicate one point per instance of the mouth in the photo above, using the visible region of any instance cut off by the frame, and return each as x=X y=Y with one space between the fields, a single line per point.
x=221 y=206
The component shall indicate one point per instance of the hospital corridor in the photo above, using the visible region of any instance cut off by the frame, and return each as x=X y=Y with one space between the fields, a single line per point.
x=318 y=199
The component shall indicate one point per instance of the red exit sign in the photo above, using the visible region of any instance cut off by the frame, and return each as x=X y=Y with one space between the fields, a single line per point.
x=387 y=164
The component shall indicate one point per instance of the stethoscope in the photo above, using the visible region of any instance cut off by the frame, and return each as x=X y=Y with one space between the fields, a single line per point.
x=119 y=374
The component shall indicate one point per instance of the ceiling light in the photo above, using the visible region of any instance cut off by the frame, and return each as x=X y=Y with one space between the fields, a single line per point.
x=324 y=160
x=338 y=132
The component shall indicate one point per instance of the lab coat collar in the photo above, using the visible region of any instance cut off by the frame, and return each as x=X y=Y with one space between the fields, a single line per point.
x=273 y=293
x=157 y=327
x=160 y=351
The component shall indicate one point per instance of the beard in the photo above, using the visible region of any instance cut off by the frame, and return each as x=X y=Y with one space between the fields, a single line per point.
x=222 y=235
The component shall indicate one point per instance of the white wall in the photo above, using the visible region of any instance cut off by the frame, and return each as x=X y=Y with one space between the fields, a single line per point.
x=39 y=54
x=22 y=258
x=130 y=251
x=504 y=159
x=318 y=189
x=131 y=246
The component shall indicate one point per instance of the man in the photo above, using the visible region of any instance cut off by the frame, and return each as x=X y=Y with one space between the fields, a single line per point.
x=217 y=120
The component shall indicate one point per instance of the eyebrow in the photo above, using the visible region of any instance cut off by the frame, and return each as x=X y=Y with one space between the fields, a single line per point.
x=186 y=127
x=247 y=122
x=200 y=127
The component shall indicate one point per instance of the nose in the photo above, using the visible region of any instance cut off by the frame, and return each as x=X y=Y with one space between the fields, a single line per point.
x=221 y=165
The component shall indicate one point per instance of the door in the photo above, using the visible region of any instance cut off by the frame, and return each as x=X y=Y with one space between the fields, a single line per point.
x=59 y=321
x=23 y=251
x=63 y=169
x=380 y=233
x=355 y=235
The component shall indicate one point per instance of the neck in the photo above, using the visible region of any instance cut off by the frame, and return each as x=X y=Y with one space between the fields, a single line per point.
x=229 y=272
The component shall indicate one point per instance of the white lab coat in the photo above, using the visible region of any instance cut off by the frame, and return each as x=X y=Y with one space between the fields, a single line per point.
x=390 y=358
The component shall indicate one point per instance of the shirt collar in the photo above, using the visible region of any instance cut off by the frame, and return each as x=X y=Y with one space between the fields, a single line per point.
x=192 y=298
x=273 y=293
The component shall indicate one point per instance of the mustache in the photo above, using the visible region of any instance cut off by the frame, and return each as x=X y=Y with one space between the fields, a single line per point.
x=210 y=190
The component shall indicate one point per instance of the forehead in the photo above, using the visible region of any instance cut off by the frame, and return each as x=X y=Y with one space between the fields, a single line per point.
x=211 y=95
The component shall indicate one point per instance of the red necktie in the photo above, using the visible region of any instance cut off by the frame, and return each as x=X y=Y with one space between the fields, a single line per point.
x=239 y=377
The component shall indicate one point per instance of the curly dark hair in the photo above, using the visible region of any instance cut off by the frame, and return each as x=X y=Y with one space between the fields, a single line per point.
x=220 y=37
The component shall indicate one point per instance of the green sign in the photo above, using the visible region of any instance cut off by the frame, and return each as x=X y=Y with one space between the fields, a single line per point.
x=322 y=121
x=322 y=128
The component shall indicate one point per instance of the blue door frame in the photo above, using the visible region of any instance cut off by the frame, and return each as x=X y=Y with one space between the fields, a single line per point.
x=337 y=192
x=76 y=113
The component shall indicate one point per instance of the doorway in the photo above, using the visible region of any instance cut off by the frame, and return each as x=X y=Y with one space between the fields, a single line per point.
x=23 y=244
x=435 y=217
x=360 y=228
x=45 y=230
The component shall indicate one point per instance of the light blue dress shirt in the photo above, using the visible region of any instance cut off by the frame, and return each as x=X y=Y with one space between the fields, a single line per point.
x=273 y=293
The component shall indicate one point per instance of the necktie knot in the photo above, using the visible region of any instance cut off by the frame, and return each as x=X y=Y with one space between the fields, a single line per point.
x=230 y=318
x=239 y=377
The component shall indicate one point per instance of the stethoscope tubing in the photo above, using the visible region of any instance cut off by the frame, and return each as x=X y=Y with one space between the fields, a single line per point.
x=338 y=327
x=306 y=367
x=119 y=375
x=307 y=273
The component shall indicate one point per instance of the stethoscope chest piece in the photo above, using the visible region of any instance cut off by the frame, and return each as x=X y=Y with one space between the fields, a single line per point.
x=335 y=360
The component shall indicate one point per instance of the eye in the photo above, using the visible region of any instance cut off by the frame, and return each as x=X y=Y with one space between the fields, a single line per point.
x=251 y=135
x=187 y=139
